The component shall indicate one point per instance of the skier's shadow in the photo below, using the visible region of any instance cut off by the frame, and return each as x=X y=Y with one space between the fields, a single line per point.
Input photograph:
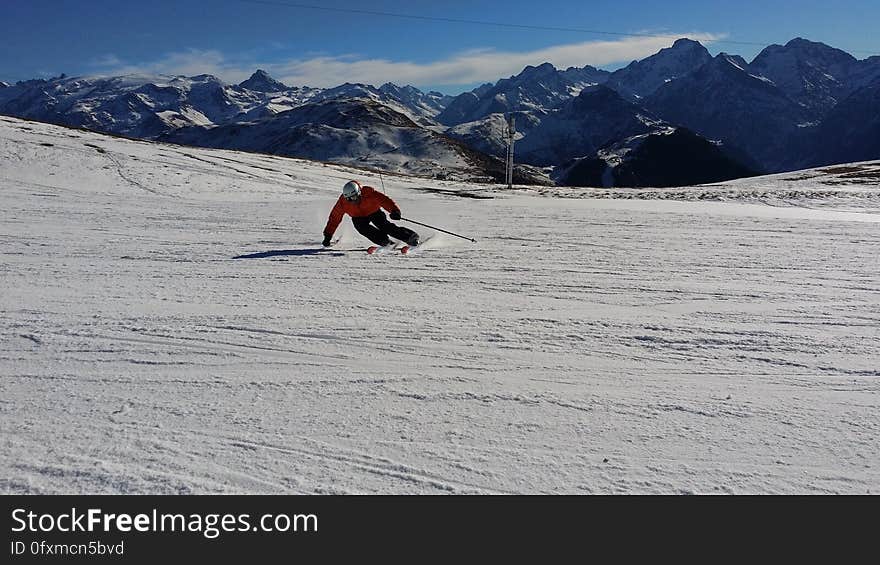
x=289 y=253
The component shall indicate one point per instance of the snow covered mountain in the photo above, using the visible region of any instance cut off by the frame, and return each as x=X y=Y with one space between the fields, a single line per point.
x=357 y=131
x=725 y=100
x=138 y=106
x=489 y=134
x=765 y=121
x=408 y=100
x=462 y=106
x=535 y=89
x=594 y=118
x=812 y=74
x=260 y=81
x=205 y=110
x=665 y=157
x=769 y=111
x=600 y=127
x=425 y=103
x=618 y=140
x=149 y=106
x=642 y=78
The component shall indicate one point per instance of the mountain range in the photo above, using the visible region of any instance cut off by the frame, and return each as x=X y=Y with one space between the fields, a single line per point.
x=721 y=113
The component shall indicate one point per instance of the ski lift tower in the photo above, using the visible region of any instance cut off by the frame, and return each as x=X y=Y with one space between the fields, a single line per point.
x=511 y=131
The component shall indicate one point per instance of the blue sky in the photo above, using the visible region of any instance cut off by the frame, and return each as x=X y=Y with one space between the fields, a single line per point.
x=302 y=46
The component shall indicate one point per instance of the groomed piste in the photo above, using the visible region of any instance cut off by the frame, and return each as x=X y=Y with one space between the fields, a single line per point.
x=170 y=324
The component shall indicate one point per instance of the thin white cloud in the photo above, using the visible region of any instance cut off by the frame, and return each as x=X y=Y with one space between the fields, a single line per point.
x=191 y=62
x=108 y=61
x=468 y=67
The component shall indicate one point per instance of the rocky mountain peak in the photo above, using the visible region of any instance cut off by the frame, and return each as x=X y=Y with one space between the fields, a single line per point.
x=260 y=81
x=641 y=78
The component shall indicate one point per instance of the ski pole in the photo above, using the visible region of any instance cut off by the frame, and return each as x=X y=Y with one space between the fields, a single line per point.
x=438 y=229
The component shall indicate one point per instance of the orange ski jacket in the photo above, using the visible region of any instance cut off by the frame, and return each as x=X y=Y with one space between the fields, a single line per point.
x=370 y=203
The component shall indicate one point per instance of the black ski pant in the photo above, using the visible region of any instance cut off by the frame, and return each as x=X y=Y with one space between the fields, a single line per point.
x=377 y=228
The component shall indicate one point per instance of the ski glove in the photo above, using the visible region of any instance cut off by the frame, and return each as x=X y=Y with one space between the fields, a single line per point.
x=326 y=242
x=395 y=214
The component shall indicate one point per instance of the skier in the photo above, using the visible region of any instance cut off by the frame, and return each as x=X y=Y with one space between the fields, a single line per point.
x=364 y=204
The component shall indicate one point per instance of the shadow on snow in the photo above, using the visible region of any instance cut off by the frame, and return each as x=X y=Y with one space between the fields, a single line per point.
x=289 y=253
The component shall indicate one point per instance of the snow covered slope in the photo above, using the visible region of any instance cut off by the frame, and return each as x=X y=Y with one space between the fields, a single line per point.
x=580 y=346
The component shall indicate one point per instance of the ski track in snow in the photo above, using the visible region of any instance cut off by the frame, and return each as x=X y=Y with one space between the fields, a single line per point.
x=580 y=346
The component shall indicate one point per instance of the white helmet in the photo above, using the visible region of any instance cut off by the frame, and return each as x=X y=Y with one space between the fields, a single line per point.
x=351 y=190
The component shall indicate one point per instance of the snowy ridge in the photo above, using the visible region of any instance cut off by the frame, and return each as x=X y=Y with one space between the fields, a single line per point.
x=130 y=105
x=356 y=131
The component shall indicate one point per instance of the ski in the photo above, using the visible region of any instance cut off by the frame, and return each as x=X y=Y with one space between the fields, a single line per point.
x=380 y=249
x=410 y=249
x=403 y=248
